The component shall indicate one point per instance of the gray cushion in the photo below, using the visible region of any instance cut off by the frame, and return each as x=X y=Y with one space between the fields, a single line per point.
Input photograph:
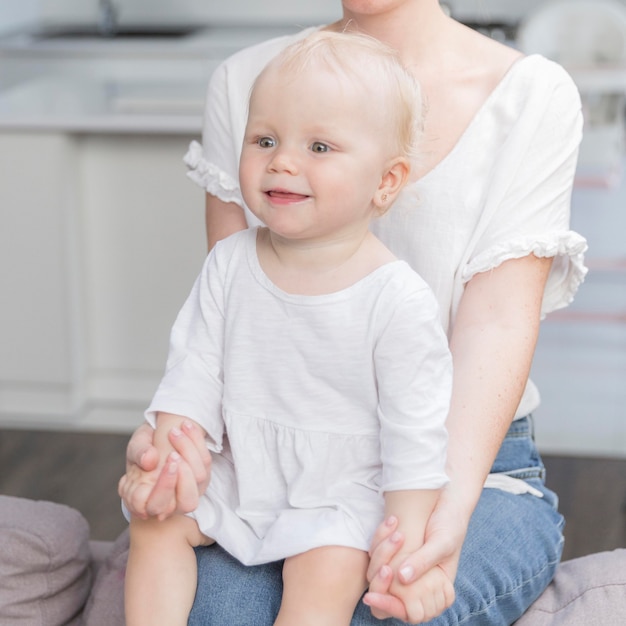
x=588 y=591
x=106 y=603
x=45 y=573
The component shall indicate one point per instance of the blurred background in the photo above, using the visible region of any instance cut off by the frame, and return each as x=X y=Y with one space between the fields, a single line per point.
x=102 y=234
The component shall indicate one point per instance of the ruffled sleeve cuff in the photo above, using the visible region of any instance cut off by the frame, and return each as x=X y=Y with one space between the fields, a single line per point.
x=568 y=270
x=210 y=177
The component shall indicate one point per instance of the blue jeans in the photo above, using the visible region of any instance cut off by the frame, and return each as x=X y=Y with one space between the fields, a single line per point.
x=513 y=545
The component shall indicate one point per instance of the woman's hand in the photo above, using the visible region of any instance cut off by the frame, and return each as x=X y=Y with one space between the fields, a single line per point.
x=445 y=533
x=417 y=602
x=151 y=491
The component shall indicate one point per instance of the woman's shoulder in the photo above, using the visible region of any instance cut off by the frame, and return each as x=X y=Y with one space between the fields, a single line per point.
x=537 y=69
x=536 y=79
x=534 y=95
x=504 y=64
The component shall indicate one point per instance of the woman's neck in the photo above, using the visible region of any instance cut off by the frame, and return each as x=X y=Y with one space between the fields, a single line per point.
x=417 y=29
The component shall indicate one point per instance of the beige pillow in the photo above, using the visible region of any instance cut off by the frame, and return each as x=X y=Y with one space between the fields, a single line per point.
x=587 y=591
x=106 y=603
x=45 y=572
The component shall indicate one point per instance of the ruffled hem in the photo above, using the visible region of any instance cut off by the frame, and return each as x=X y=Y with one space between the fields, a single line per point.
x=210 y=177
x=568 y=269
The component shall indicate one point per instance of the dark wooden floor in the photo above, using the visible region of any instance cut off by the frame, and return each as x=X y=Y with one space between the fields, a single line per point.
x=82 y=470
x=77 y=469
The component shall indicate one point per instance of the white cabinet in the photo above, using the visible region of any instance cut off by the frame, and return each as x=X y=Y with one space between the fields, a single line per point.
x=38 y=317
x=102 y=236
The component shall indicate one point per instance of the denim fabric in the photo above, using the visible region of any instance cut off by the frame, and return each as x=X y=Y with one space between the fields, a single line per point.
x=513 y=546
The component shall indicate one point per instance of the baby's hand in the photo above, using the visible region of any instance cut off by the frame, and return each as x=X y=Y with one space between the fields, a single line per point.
x=137 y=485
x=427 y=597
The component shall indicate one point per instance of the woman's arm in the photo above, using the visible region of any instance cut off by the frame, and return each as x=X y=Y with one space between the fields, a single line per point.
x=492 y=344
x=222 y=219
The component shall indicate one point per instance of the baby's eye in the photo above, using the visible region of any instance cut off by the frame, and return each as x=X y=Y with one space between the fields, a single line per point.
x=266 y=142
x=319 y=147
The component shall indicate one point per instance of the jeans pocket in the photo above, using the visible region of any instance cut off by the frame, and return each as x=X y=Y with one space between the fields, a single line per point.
x=518 y=456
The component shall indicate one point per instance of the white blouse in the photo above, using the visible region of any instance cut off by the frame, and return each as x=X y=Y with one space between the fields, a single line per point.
x=327 y=401
x=503 y=192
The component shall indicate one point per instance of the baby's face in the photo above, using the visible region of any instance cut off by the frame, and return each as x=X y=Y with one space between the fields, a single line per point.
x=314 y=152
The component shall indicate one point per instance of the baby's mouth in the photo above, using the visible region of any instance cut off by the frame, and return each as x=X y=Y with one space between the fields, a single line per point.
x=282 y=194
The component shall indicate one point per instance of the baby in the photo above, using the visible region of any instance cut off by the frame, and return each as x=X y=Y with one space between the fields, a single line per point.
x=313 y=359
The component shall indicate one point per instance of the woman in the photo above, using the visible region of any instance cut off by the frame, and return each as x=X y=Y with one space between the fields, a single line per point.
x=486 y=224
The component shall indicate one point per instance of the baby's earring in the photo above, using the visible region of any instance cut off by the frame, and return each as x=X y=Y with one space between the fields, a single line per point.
x=384 y=197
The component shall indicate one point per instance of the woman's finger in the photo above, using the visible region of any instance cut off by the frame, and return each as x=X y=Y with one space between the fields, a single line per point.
x=126 y=489
x=140 y=450
x=436 y=551
x=189 y=442
x=162 y=500
x=187 y=494
x=381 y=583
x=384 y=605
x=383 y=553
x=384 y=530
x=378 y=598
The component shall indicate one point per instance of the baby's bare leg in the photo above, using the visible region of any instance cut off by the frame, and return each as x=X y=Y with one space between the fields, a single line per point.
x=161 y=575
x=322 y=586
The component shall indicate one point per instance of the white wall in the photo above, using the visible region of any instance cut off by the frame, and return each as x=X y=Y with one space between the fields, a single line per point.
x=197 y=11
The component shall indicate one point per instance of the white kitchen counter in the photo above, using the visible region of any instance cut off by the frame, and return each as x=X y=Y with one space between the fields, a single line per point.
x=123 y=85
x=216 y=41
x=103 y=105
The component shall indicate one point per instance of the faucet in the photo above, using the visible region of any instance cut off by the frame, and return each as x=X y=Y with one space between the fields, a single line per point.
x=107 y=18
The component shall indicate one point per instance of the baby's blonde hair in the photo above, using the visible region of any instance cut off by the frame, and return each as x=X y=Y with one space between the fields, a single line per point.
x=374 y=66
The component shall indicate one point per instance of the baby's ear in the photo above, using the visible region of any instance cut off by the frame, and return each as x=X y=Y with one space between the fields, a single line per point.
x=395 y=177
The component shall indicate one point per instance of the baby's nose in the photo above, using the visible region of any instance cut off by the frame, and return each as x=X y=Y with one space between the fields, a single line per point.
x=283 y=161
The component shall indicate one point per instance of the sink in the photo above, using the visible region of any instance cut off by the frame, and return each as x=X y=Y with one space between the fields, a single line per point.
x=121 y=32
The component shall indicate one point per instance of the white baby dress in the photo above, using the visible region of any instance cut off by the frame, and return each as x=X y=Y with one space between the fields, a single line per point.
x=314 y=405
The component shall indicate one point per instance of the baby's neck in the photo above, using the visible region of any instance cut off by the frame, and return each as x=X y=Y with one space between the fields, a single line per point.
x=319 y=267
